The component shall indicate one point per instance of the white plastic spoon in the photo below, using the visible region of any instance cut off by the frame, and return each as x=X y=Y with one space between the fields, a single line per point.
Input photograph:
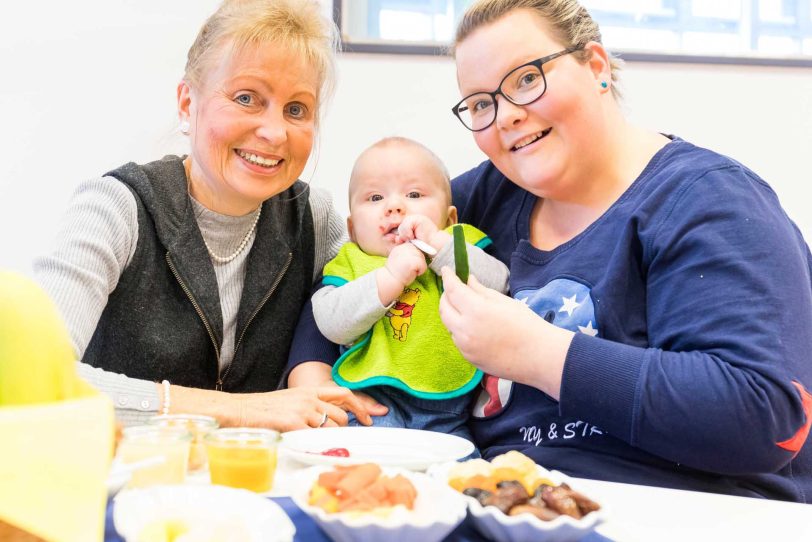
x=423 y=247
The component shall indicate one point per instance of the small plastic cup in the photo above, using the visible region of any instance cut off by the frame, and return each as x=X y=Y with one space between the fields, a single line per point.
x=199 y=426
x=243 y=457
x=169 y=446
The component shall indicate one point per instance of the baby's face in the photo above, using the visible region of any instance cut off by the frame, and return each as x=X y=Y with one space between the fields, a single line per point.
x=389 y=183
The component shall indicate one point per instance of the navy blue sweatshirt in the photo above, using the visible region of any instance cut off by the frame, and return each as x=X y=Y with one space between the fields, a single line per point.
x=691 y=299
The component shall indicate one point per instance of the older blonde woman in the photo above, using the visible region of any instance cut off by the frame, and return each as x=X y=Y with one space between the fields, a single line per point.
x=181 y=280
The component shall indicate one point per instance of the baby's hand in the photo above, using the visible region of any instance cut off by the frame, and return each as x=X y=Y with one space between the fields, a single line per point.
x=406 y=263
x=416 y=227
x=422 y=228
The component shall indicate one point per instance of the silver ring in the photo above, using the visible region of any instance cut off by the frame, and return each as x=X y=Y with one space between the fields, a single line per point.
x=324 y=419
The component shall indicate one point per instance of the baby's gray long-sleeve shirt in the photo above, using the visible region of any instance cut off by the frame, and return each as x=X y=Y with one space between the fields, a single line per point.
x=347 y=312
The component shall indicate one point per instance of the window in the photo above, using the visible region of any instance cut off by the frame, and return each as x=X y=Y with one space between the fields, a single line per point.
x=771 y=32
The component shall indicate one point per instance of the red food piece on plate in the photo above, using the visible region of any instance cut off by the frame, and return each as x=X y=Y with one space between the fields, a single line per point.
x=337 y=452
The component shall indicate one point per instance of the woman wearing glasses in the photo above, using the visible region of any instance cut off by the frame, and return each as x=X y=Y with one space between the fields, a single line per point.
x=664 y=322
x=660 y=323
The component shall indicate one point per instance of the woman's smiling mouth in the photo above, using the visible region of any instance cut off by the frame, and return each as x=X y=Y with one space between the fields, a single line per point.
x=524 y=142
x=257 y=160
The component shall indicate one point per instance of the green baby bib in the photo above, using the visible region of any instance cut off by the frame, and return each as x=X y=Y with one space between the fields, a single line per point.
x=409 y=348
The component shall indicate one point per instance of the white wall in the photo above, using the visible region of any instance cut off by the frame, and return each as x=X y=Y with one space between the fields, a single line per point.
x=89 y=85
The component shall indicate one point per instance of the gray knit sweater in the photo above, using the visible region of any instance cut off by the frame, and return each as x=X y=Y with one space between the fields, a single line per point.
x=96 y=241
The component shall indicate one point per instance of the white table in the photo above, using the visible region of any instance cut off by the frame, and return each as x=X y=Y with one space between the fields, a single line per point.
x=642 y=513
x=651 y=514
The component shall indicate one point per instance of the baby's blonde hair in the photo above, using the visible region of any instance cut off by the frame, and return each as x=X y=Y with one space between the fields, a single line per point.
x=570 y=23
x=297 y=26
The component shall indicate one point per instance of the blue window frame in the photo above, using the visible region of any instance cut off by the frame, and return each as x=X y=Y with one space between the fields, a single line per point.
x=766 y=32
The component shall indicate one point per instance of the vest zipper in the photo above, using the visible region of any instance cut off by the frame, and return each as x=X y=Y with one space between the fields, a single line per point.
x=199 y=313
x=248 y=323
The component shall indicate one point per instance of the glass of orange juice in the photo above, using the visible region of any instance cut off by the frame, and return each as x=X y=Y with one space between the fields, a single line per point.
x=199 y=426
x=242 y=457
x=168 y=446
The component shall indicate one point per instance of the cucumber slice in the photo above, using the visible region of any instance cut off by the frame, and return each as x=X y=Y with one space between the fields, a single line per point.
x=460 y=254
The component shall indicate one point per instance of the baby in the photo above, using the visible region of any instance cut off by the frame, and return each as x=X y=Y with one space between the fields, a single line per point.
x=381 y=294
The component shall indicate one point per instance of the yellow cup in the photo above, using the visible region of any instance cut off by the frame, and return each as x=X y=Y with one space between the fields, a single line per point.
x=199 y=426
x=54 y=460
x=167 y=446
x=242 y=457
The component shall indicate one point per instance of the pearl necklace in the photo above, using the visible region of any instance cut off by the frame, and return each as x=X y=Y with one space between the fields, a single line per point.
x=226 y=259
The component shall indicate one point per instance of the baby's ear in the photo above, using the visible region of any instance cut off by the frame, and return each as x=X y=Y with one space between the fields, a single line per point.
x=452 y=215
x=350 y=230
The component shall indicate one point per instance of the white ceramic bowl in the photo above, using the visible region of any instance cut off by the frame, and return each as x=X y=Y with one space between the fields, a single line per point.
x=233 y=515
x=496 y=525
x=438 y=509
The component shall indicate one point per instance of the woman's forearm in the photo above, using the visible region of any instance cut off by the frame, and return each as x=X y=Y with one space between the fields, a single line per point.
x=224 y=407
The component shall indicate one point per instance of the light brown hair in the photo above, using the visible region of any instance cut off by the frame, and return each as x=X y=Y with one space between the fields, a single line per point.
x=570 y=24
x=298 y=26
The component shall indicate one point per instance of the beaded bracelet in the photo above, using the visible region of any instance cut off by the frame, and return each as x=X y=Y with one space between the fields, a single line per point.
x=165 y=409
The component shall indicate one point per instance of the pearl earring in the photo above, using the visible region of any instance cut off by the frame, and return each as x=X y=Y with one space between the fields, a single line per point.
x=184 y=127
x=604 y=84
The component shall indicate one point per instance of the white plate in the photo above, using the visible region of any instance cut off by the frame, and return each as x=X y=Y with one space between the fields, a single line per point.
x=386 y=446
x=495 y=525
x=438 y=509
x=210 y=512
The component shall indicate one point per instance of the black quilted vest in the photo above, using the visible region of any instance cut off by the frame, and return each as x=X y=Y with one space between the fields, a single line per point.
x=164 y=321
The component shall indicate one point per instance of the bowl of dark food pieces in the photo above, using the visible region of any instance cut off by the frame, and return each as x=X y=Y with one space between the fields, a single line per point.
x=513 y=499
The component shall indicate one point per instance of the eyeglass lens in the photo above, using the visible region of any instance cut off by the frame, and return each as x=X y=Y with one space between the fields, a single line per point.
x=521 y=86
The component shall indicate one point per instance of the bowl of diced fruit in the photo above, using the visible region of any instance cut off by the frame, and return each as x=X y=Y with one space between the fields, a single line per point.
x=367 y=502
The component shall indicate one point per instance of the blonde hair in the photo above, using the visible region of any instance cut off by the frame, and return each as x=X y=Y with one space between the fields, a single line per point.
x=297 y=26
x=570 y=23
x=395 y=141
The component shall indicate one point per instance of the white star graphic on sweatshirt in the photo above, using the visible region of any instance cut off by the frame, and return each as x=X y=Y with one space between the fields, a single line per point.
x=588 y=330
x=569 y=305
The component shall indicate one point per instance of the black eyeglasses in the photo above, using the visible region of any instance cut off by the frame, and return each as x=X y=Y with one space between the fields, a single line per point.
x=521 y=86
